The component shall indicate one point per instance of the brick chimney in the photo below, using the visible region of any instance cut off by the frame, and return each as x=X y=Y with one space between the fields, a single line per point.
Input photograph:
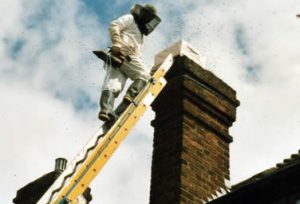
x=191 y=138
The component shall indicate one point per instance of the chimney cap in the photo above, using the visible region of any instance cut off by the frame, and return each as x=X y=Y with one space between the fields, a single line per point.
x=181 y=48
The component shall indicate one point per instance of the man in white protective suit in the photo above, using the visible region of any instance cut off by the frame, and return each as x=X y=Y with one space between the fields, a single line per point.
x=126 y=34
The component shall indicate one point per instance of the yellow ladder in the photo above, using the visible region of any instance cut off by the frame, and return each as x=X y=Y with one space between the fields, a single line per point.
x=91 y=159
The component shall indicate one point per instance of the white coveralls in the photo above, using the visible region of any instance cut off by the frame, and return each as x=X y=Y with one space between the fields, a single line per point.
x=124 y=33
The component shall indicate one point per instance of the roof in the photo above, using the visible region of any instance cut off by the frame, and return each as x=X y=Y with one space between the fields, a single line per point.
x=271 y=185
x=287 y=163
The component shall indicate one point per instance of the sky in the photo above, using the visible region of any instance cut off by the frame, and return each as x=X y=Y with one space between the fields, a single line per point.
x=50 y=84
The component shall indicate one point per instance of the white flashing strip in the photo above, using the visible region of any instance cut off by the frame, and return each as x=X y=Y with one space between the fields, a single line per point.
x=227 y=184
x=148 y=99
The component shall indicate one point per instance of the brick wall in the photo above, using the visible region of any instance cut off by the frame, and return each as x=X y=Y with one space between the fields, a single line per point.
x=191 y=138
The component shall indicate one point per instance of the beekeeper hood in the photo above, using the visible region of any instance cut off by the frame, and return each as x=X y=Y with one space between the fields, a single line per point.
x=145 y=17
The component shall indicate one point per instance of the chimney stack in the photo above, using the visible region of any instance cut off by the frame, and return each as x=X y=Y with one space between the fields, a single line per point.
x=60 y=164
x=191 y=138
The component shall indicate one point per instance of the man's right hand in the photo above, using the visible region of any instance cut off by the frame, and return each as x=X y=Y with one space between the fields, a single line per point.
x=116 y=51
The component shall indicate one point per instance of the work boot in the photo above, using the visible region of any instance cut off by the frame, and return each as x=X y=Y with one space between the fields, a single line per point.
x=132 y=92
x=122 y=107
x=107 y=104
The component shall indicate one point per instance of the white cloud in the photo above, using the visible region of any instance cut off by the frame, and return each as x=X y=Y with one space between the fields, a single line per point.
x=36 y=129
x=56 y=54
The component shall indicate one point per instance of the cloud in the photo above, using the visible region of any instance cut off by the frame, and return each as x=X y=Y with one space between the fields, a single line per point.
x=36 y=128
x=54 y=51
x=252 y=69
